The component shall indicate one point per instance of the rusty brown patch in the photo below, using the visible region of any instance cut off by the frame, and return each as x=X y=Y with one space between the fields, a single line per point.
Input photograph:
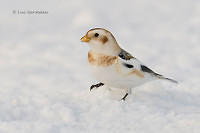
x=101 y=60
x=104 y=39
x=90 y=57
x=136 y=72
x=98 y=29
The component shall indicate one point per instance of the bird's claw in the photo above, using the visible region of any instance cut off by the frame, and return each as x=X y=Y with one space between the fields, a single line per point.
x=96 y=86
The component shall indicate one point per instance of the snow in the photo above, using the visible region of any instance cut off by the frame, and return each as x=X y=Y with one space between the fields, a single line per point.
x=45 y=79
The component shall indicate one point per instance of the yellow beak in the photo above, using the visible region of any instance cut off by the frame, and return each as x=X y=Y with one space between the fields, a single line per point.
x=85 y=39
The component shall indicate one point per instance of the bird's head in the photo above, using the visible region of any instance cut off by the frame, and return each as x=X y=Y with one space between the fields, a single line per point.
x=101 y=41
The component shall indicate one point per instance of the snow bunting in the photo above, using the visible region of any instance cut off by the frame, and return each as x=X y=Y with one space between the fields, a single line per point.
x=113 y=66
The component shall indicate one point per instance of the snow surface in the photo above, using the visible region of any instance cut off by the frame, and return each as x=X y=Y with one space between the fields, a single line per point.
x=44 y=77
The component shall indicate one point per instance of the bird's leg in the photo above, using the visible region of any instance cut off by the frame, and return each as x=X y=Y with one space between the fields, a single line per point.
x=125 y=96
x=97 y=85
x=128 y=91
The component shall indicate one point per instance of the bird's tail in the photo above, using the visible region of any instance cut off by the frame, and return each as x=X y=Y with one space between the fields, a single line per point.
x=162 y=77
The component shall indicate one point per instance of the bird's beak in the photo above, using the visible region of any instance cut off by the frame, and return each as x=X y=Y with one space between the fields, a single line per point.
x=85 y=39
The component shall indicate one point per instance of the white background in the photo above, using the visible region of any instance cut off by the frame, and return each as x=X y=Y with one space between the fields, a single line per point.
x=44 y=76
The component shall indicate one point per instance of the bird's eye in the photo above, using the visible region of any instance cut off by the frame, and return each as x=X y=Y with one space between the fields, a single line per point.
x=96 y=34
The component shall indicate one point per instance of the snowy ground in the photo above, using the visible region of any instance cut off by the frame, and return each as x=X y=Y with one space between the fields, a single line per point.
x=44 y=78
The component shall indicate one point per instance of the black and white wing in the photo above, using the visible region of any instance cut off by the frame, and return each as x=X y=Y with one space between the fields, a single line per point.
x=130 y=63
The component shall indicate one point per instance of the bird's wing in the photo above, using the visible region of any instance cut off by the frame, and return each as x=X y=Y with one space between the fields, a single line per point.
x=125 y=55
x=129 y=63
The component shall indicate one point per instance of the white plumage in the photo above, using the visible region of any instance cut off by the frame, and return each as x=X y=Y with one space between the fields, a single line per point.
x=113 y=66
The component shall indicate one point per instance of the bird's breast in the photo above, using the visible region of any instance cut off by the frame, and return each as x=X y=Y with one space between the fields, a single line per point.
x=100 y=59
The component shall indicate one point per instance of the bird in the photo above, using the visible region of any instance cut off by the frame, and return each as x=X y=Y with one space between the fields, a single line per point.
x=113 y=66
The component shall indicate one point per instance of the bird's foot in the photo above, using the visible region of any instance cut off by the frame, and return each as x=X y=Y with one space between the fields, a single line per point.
x=96 y=86
x=125 y=96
